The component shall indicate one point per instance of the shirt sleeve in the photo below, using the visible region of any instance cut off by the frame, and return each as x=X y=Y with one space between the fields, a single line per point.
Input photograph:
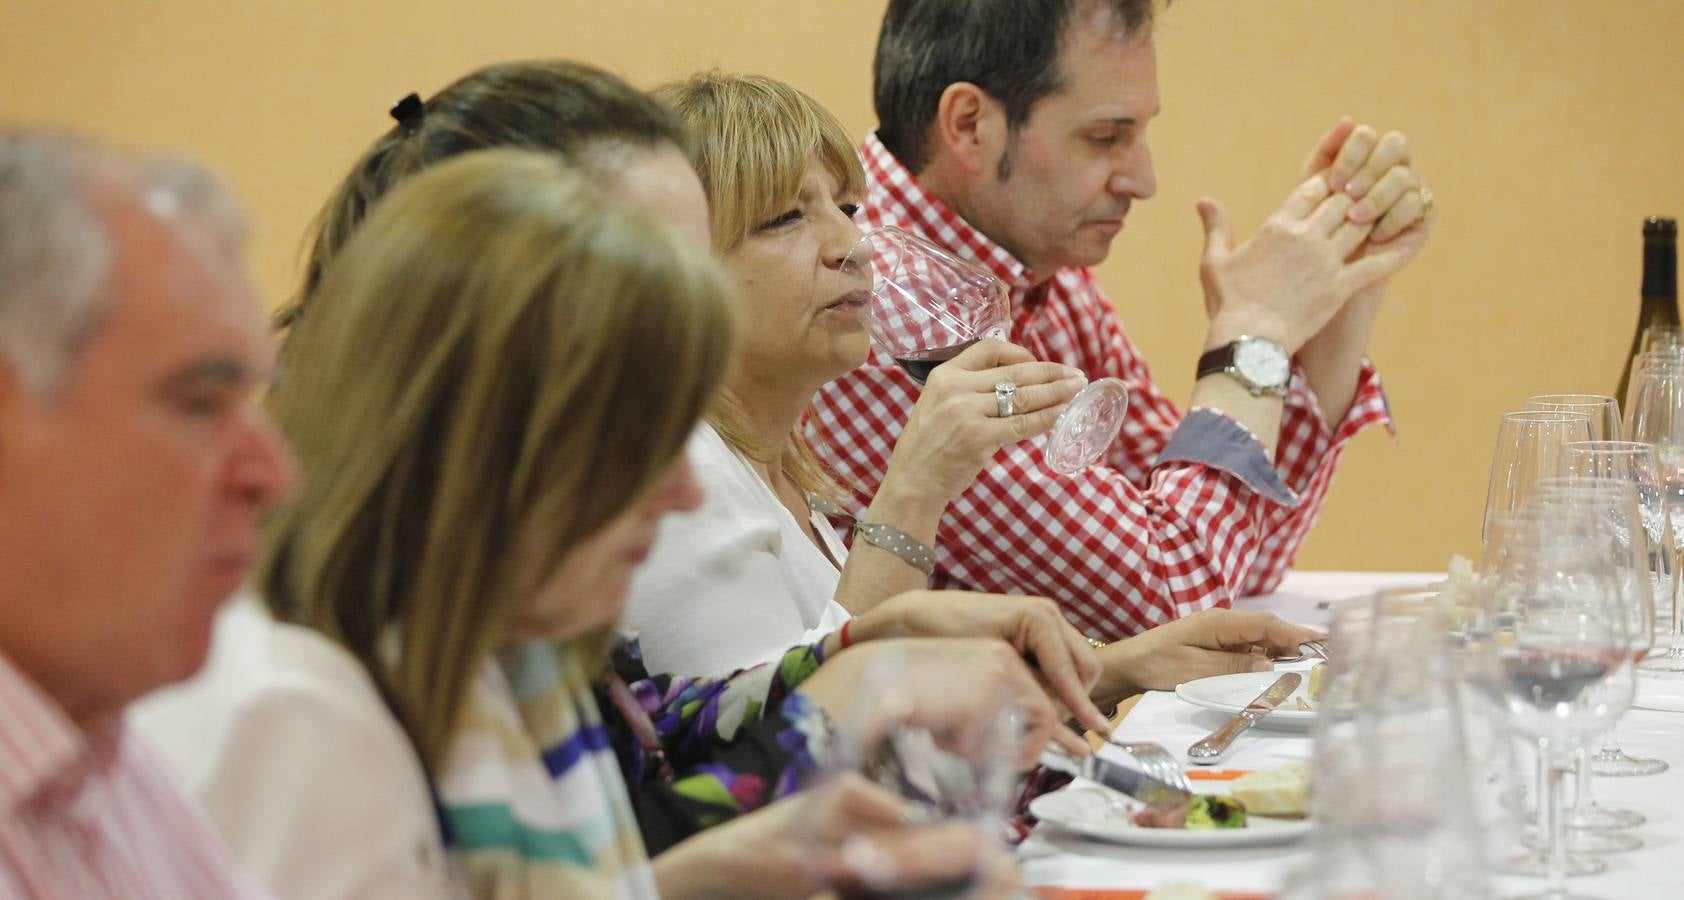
x=1144 y=538
x=292 y=776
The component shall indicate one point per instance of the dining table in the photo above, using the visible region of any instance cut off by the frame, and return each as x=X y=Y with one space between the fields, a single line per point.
x=1061 y=865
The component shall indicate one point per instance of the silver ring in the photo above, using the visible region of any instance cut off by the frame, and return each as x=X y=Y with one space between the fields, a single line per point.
x=1426 y=201
x=1003 y=394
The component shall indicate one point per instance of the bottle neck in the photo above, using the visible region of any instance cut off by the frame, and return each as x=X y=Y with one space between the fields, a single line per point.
x=1660 y=268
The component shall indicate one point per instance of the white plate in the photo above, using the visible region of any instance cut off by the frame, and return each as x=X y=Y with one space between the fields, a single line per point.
x=1092 y=811
x=1659 y=692
x=1232 y=693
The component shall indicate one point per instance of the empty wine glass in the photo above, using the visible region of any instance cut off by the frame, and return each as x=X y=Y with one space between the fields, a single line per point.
x=1391 y=704
x=1604 y=411
x=1558 y=620
x=928 y=306
x=1529 y=447
x=1655 y=416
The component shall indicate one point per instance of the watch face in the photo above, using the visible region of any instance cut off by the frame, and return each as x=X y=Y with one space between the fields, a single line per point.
x=1263 y=363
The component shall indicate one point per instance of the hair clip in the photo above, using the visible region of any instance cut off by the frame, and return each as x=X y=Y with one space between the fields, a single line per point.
x=408 y=112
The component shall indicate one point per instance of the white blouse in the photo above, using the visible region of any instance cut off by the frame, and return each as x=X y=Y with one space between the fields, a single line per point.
x=311 y=781
x=735 y=582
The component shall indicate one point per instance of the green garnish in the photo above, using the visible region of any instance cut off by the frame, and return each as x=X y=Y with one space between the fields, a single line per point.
x=1215 y=811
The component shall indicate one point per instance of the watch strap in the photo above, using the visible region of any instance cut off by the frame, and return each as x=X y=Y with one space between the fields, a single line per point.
x=1217 y=360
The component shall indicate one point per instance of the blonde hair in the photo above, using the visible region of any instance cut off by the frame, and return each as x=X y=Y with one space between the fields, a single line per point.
x=499 y=363
x=752 y=140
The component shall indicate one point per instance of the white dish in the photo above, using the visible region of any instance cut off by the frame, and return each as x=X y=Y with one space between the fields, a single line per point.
x=1659 y=692
x=1092 y=811
x=1232 y=693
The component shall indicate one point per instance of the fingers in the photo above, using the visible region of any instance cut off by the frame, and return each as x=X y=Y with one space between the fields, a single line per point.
x=1395 y=185
x=1327 y=149
x=1351 y=156
x=1230 y=629
x=1409 y=209
x=1061 y=663
x=1219 y=230
x=1306 y=197
x=1390 y=152
x=989 y=354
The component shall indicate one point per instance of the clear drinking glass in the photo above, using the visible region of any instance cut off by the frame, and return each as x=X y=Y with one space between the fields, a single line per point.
x=1661 y=338
x=1557 y=618
x=1529 y=447
x=928 y=306
x=1604 y=411
x=1614 y=501
x=951 y=744
x=1391 y=704
x=1640 y=464
x=1655 y=416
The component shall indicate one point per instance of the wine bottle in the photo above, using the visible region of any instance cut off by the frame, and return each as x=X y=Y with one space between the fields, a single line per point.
x=1660 y=287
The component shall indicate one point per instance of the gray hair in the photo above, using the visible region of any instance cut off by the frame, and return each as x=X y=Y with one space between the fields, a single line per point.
x=56 y=251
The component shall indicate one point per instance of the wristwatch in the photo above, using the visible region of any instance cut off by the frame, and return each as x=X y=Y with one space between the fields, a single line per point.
x=1260 y=364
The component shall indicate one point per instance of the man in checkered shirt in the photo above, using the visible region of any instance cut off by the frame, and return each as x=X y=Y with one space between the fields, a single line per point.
x=1013 y=133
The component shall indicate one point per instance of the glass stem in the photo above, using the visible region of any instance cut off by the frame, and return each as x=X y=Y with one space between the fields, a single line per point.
x=1554 y=823
x=1582 y=801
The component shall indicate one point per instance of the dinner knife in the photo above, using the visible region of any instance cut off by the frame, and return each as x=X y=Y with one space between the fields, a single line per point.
x=1210 y=750
x=1153 y=792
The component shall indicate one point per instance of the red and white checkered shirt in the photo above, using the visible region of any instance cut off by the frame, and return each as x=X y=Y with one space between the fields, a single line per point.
x=88 y=815
x=1174 y=519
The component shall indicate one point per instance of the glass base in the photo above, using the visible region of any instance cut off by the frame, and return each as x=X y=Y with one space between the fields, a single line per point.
x=1601 y=818
x=1599 y=842
x=1551 y=895
x=1537 y=865
x=1670 y=661
x=1616 y=764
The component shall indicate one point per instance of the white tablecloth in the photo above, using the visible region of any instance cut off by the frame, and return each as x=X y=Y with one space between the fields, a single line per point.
x=1053 y=858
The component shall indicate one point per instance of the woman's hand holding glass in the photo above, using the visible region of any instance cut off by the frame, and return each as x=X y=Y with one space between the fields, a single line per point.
x=956 y=426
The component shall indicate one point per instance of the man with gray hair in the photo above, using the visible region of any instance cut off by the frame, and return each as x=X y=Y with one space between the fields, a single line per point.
x=1013 y=133
x=134 y=463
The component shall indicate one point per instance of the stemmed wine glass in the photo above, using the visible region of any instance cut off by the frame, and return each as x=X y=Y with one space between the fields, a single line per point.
x=1615 y=502
x=1655 y=416
x=1560 y=629
x=928 y=306
x=1604 y=411
x=1638 y=464
x=1529 y=447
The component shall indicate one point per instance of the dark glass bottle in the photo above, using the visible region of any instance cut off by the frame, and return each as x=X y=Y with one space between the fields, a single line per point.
x=1660 y=287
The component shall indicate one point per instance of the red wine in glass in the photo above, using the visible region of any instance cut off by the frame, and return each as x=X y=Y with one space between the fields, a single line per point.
x=920 y=364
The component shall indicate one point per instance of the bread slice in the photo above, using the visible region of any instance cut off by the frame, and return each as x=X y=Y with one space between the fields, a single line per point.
x=1281 y=793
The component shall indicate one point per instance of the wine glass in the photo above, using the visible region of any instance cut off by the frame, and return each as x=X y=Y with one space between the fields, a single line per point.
x=1661 y=337
x=1615 y=502
x=1604 y=411
x=1655 y=416
x=928 y=306
x=1391 y=704
x=1558 y=619
x=1529 y=447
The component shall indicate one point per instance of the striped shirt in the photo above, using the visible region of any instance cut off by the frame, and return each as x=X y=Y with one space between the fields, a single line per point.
x=88 y=815
x=1185 y=512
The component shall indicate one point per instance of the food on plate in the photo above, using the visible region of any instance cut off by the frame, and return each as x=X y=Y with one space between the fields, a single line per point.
x=1281 y=793
x=1318 y=680
x=1204 y=811
x=1215 y=811
x=1181 y=890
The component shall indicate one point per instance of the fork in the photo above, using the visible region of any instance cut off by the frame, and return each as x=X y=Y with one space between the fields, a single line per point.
x=1315 y=648
x=1156 y=762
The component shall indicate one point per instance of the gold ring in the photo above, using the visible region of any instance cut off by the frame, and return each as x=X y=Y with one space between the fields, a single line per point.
x=1426 y=202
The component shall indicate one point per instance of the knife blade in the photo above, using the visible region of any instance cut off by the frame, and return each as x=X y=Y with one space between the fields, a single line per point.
x=1118 y=777
x=1210 y=750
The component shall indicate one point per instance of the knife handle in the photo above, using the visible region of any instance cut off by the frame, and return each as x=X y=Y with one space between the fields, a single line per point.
x=1210 y=750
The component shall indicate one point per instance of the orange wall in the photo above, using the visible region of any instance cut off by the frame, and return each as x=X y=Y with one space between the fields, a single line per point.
x=1548 y=128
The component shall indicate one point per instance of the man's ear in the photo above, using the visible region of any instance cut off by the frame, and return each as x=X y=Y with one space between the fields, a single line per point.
x=970 y=127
